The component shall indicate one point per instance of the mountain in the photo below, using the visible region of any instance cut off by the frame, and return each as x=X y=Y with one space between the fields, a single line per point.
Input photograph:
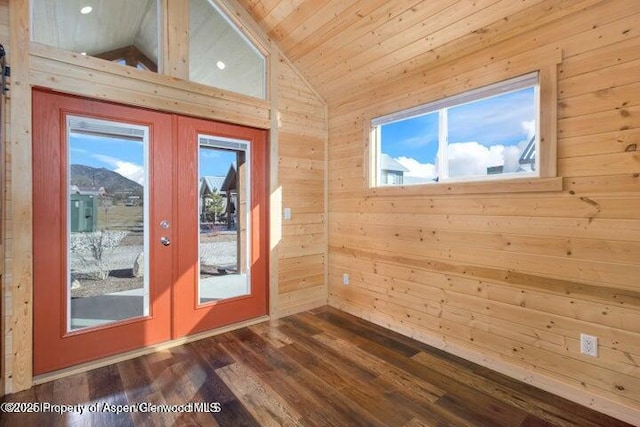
x=89 y=177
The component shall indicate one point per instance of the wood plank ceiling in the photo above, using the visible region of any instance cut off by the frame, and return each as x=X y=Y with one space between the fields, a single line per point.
x=347 y=47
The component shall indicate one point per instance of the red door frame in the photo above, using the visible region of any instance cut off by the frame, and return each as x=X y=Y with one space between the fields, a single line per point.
x=174 y=311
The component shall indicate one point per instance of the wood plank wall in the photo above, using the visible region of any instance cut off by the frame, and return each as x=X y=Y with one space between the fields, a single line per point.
x=298 y=149
x=510 y=280
x=302 y=130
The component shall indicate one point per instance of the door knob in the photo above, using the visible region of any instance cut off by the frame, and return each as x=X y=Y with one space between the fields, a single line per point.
x=165 y=241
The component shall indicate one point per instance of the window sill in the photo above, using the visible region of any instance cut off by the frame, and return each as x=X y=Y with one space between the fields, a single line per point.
x=517 y=185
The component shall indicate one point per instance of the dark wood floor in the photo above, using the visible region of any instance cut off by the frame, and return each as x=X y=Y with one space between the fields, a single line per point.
x=320 y=368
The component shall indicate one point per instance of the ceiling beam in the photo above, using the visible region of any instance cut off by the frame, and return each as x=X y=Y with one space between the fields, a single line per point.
x=131 y=55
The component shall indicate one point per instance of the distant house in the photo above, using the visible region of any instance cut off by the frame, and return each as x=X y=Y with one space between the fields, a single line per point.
x=495 y=170
x=391 y=171
x=103 y=198
x=210 y=185
x=230 y=188
x=226 y=186
x=132 y=201
x=528 y=157
x=526 y=162
x=89 y=191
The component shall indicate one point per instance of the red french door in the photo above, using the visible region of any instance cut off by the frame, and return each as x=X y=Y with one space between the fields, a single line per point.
x=229 y=242
x=136 y=240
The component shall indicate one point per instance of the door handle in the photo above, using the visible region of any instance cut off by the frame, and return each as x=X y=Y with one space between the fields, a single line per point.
x=165 y=240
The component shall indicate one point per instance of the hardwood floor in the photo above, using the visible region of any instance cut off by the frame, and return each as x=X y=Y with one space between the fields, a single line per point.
x=318 y=368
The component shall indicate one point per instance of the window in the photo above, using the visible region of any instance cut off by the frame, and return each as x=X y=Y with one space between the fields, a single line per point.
x=125 y=32
x=220 y=55
x=483 y=134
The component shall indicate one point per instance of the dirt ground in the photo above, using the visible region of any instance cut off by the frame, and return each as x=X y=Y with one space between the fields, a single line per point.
x=123 y=280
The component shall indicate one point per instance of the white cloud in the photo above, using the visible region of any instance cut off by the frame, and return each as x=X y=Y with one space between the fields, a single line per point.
x=511 y=156
x=127 y=169
x=529 y=127
x=209 y=153
x=472 y=158
x=132 y=171
x=417 y=169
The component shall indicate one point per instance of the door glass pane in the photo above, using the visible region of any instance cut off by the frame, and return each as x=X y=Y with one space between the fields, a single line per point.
x=223 y=197
x=107 y=222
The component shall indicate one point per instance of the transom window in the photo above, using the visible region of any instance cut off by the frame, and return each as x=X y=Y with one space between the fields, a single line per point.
x=123 y=31
x=486 y=133
x=220 y=55
x=127 y=32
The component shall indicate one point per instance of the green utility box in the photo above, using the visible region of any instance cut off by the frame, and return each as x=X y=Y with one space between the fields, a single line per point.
x=84 y=213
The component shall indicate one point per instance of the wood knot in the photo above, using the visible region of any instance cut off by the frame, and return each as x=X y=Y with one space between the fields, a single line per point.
x=590 y=202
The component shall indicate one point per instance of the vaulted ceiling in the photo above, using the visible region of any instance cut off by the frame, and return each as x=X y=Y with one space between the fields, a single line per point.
x=346 y=47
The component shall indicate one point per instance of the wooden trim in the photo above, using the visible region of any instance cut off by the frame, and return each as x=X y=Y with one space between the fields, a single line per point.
x=3 y=172
x=370 y=155
x=176 y=18
x=3 y=202
x=49 y=53
x=20 y=327
x=275 y=191
x=163 y=36
x=325 y=187
x=77 y=74
x=548 y=120
x=131 y=55
x=516 y=185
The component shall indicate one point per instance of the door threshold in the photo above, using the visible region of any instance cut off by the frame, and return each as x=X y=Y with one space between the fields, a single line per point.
x=88 y=366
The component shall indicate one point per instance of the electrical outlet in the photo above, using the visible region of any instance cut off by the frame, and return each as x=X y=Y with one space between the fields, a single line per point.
x=287 y=213
x=589 y=345
x=345 y=279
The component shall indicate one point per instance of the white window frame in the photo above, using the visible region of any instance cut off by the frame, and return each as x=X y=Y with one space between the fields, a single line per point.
x=441 y=106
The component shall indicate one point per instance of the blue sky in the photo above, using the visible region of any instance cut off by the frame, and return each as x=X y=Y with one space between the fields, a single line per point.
x=500 y=120
x=214 y=162
x=126 y=156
